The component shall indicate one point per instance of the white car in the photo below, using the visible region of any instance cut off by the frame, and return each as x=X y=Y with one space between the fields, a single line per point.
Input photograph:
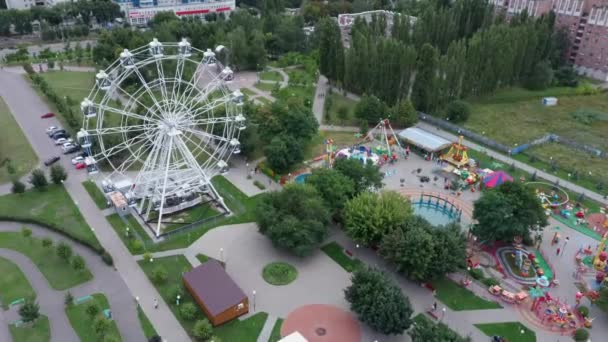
x=62 y=141
x=77 y=160
x=51 y=129
x=67 y=146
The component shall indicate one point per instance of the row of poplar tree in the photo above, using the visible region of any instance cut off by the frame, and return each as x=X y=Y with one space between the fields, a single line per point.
x=450 y=51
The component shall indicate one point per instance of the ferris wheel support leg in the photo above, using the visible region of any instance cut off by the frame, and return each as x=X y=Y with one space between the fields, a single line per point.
x=219 y=198
x=162 y=201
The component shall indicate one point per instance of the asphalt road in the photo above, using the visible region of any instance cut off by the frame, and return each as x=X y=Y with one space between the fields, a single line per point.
x=27 y=107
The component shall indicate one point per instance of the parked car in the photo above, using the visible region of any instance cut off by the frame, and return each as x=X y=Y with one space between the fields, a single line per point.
x=51 y=161
x=47 y=115
x=52 y=129
x=57 y=131
x=77 y=160
x=62 y=141
x=59 y=136
x=71 y=149
x=80 y=165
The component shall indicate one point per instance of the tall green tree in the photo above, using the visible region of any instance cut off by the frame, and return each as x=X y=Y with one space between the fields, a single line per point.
x=38 y=179
x=335 y=188
x=365 y=176
x=425 y=330
x=510 y=210
x=426 y=78
x=29 y=311
x=295 y=219
x=331 y=50
x=369 y=216
x=379 y=302
x=371 y=109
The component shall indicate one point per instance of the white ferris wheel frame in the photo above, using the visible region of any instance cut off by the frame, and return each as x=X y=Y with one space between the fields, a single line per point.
x=169 y=139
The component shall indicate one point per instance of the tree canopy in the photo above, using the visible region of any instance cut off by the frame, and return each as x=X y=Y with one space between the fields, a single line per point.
x=378 y=302
x=425 y=330
x=510 y=210
x=365 y=176
x=369 y=216
x=335 y=188
x=295 y=218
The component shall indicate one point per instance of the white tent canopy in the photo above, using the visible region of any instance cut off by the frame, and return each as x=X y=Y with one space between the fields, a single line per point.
x=424 y=139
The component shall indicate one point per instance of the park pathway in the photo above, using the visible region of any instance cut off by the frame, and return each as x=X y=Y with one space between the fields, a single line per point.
x=105 y=280
x=50 y=301
x=26 y=106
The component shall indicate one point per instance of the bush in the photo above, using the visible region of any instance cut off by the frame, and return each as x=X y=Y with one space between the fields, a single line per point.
x=490 y=281
x=64 y=251
x=78 y=263
x=586 y=88
x=18 y=187
x=47 y=242
x=69 y=299
x=583 y=310
x=26 y=232
x=58 y=174
x=159 y=275
x=188 y=311
x=476 y=273
x=107 y=258
x=137 y=246
x=458 y=111
x=38 y=179
x=147 y=256
x=540 y=78
x=259 y=185
x=581 y=335
x=202 y=331
x=92 y=310
x=174 y=291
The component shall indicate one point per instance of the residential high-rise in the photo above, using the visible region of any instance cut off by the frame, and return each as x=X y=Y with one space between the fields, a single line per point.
x=27 y=4
x=587 y=25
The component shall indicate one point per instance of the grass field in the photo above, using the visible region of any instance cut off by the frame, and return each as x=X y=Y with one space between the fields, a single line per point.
x=146 y=326
x=279 y=273
x=60 y=275
x=136 y=233
x=14 y=147
x=275 y=336
x=271 y=76
x=39 y=331
x=459 y=298
x=511 y=331
x=246 y=330
x=265 y=86
x=13 y=284
x=75 y=84
x=174 y=265
x=337 y=254
x=516 y=116
x=338 y=101
x=98 y=197
x=53 y=207
x=83 y=323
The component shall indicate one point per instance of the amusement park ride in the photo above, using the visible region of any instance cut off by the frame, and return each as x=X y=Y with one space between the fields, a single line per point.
x=173 y=129
x=457 y=155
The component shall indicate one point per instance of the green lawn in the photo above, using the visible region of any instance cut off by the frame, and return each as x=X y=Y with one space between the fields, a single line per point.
x=14 y=147
x=202 y=258
x=54 y=269
x=190 y=215
x=275 y=336
x=510 y=331
x=39 y=331
x=516 y=116
x=83 y=324
x=304 y=93
x=425 y=321
x=265 y=86
x=336 y=252
x=175 y=266
x=271 y=76
x=136 y=233
x=77 y=85
x=98 y=197
x=247 y=330
x=338 y=101
x=13 y=283
x=53 y=207
x=248 y=92
x=459 y=298
x=279 y=273
x=146 y=326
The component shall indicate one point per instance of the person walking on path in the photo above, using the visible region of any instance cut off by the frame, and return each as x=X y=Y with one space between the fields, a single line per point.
x=155 y=303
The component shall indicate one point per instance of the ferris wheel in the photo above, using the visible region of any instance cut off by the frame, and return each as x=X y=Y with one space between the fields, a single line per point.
x=164 y=117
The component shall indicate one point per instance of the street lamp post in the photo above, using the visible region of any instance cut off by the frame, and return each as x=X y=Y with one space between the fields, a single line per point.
x=253 y=300
x=177 y=300
x=443 y=310
x=127 y=231
x=221 y=254
x=467 y=276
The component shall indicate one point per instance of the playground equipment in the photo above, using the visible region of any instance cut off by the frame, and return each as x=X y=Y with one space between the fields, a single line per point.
x=388 y=141
x=554 y=313
x=550 y=195
x=506 y=296
x=457 y=155
x=329 y=152
x=363 y=154
x=599 y=262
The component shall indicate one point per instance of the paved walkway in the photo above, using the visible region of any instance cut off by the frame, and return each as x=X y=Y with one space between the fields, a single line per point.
x=26 y=106
x=106 y=280
x=50 y=301
x=318 y=103
x=267 y=329
x=505 y=159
